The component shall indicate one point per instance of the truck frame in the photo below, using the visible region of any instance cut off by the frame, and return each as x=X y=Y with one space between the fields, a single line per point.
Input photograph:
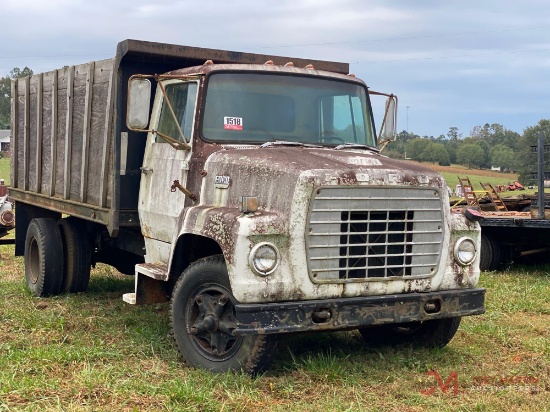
x=248 y=190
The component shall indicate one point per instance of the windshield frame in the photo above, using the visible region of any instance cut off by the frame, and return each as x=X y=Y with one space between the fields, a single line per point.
x=367 y=112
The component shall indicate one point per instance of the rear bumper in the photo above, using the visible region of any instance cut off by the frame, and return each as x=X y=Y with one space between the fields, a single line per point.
x=351 y=313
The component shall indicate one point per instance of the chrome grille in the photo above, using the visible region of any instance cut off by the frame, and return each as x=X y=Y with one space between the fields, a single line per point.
x=369 y=233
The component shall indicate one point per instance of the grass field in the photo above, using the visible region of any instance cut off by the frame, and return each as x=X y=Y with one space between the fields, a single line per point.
x=5 y=170
x=91 y=351
x=451 y=174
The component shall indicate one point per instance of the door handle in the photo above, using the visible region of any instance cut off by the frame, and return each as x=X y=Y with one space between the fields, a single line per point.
x=145 y=170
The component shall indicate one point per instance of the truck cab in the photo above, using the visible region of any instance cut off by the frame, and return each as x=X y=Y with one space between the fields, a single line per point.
x=280 y=168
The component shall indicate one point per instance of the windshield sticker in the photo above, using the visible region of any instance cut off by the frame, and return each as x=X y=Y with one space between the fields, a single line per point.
x=233 y=123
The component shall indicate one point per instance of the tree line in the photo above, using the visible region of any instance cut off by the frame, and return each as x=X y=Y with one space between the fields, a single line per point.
x=490 y=145
x=5 y=94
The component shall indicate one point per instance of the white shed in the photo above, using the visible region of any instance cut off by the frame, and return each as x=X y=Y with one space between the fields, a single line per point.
x=5 y=141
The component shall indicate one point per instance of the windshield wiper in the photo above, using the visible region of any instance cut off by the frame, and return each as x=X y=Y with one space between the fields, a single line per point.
x=355 y=146
x=287 y=143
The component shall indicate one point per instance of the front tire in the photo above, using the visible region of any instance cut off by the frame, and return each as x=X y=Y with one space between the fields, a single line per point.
x=203 y=318
x=43 y=257
x=435 y=333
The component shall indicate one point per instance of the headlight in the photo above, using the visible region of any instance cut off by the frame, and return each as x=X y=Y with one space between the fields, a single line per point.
x=465 y=251
x=264 y=258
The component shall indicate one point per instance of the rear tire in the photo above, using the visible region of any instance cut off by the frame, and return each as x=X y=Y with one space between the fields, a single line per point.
x=203 y=317
x=43 y=257
x=490 y=253
x=77 y=256
x=434 y=333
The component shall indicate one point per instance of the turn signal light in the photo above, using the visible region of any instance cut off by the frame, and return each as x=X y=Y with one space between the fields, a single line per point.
x=248 y=204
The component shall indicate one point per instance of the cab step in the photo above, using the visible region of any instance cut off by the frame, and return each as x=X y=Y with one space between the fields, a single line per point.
x=150 y=285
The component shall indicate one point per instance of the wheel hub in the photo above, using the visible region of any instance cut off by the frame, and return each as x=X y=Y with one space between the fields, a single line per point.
x=213 y=323
x=210 y=323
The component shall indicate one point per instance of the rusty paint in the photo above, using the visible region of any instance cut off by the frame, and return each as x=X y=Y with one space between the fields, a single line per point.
x=149 y=291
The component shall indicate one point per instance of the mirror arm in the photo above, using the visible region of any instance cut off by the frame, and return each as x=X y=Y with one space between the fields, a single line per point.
x=176 y=144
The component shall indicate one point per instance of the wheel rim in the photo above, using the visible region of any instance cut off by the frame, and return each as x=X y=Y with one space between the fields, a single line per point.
x=34 y=261
x=211 y=318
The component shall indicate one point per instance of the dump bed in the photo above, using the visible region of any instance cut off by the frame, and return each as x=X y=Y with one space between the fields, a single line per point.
x=72 y=151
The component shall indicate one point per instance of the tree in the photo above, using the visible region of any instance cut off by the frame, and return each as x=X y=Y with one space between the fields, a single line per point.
x=436 y=153
x=486 y=153
x=495 y=134
x=453 y=133
x=416 y=147
x=527 y=161
x=503 y=157
x=5 y=94
x=471 y=154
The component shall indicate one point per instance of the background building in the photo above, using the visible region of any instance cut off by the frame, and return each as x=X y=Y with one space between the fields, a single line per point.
x=5 y=142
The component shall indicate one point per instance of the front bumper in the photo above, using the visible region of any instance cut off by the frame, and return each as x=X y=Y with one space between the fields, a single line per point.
x=351 y=313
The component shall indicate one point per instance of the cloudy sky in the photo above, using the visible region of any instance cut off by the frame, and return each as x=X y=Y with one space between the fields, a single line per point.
x=451 y=63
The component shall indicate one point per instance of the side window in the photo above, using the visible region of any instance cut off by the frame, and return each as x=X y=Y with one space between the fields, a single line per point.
x=181 y=97
x=342 y=119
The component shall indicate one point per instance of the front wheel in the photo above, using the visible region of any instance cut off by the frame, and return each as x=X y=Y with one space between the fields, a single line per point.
x=434 y=333
x=203 y=319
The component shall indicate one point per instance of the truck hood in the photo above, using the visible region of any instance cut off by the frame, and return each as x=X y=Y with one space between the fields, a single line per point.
x=273 y=173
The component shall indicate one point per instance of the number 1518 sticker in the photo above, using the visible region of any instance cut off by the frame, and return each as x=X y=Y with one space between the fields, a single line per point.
x=233 y=123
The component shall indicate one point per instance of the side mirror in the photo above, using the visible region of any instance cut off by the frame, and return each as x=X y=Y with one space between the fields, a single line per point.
x=388 y=129
x=139 y=100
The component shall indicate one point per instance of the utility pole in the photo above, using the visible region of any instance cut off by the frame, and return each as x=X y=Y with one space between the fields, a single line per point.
x=408 y=120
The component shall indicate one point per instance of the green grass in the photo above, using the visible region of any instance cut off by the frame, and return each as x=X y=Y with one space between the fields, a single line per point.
x=91 y=351
x=5 y=170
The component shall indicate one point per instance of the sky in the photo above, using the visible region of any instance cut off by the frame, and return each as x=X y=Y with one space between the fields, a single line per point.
x=451 y=63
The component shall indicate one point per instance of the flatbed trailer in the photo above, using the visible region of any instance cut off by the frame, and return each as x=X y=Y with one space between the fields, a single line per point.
x=508 y=239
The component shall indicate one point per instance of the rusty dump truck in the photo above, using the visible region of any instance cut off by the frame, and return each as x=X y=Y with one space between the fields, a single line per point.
x=247 y=190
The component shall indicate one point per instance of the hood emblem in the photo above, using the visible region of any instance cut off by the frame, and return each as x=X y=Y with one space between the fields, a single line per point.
x=222 y=182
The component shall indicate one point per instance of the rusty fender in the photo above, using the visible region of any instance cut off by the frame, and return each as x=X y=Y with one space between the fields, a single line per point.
x=236 y=233
x=351 y=313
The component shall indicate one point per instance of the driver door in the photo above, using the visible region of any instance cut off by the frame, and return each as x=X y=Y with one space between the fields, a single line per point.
x=159 y=207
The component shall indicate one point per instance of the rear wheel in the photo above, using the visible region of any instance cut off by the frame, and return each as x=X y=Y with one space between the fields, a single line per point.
x=490 y=253
x=43 y=257
x=77 y=255
x=203 y=319
x=434 y=333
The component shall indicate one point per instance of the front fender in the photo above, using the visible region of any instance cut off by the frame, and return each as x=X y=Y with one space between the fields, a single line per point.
x=236 y=233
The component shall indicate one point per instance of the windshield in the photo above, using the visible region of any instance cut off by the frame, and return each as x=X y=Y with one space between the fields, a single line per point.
x=259 y=108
